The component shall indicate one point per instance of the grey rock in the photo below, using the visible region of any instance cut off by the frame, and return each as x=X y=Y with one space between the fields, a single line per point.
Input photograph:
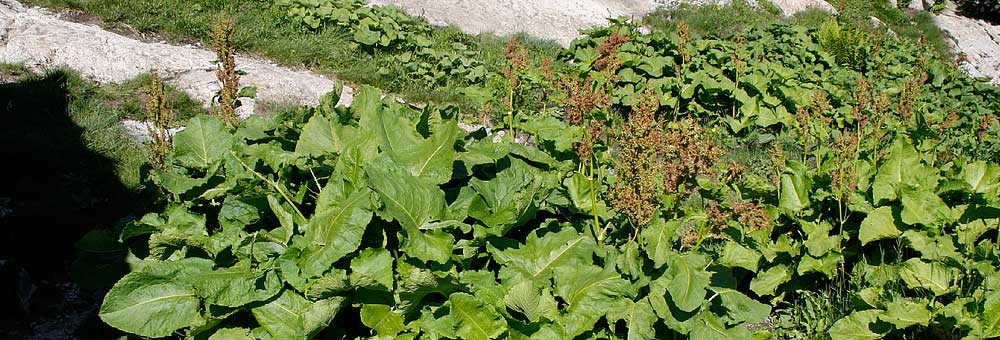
x=977 y=40
x=558 y=20
x=791 y=7
x=879 y=24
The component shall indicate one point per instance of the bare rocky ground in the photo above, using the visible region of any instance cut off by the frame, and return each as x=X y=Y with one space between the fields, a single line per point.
x=559 y=20
x=977 y=40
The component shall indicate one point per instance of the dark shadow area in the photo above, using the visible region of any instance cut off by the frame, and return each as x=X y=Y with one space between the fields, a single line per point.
x=987 y=10
x=53 y=190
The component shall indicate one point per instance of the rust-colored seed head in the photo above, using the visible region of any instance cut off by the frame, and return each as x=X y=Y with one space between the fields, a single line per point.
x=691 y=152
x=639 y=162
x=159 y=112
x=609 y=62
x=581 y=97
x=845 y=172
x=222 y=42
x=752 y=215
x=585 y=148
x=984 y=126
x=778 y=161
x=717 y=218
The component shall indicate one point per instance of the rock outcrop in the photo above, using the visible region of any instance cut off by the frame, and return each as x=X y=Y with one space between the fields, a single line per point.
x=977 y=41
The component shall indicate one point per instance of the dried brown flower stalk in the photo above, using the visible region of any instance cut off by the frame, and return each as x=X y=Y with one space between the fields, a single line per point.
x=690 y=152
x=581 y=97
x=609 y=61
x=752 y=215
x=910 y=92
x=159 y=112
x=222 y=42
x=778 y=161
x=640 y=150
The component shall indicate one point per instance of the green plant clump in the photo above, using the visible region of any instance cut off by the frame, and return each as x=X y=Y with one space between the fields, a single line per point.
x=378 y=27
x=661 y=186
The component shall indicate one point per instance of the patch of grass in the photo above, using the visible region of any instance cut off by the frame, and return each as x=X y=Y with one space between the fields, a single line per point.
x=907 y=24
x=262 y=29
x=127 y=99
x=726 y=20
x=714 y=19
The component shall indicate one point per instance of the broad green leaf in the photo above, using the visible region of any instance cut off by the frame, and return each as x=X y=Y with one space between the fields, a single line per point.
x=382 y=319
x=234 y=287
x=590 y=293
x=540 y=256
x=933 y=248
x=435 y=326
x=532 y=302
x=364 y=35
x=342 y=224
x=236 y=214
x=735 y=255
x=905 y=312
x=176 y=184
x=921 y=206
x=413 y=284
x=475 y=320
x=284 y=217
x=639 y=319
x=291 y=316
x=231 y=334
x=554 y=130
x=795 y=188
x=202 y=143
x=412 y=201
x=431 y=245
x=855 y=326
x=982 y=177
x=393 y=131
x=767 y=283
x=674 y=318
x=687 y=280
x=819 y=241
x=581 y=193
x=826 y=264
x=330 y=284
x=990 y=320
x=372 y=268
x=711 y=327
x=314 y=259
x=741 y=308
x=935 y=277
x=508 y=200
x=657 y=240
x=969 y=233
x=902 y=166
x=629 y=261
x=321 y=137
x=151 y=306
x=880 y=224
x=431 y=158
